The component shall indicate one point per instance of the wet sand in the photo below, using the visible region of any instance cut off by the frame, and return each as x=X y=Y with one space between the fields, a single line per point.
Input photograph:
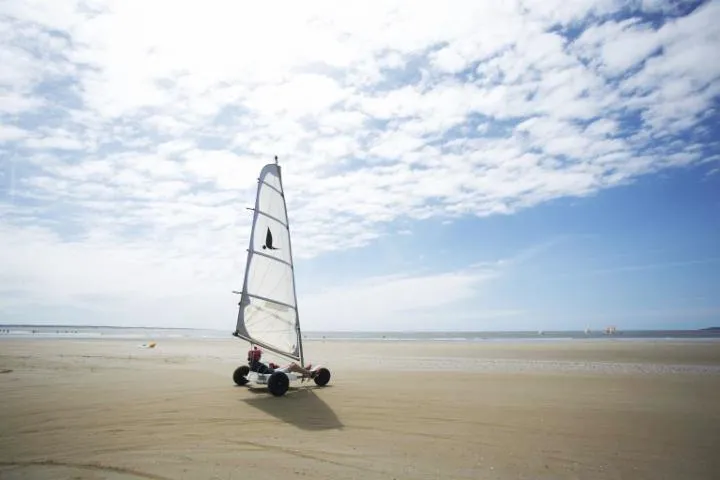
x=548 y=410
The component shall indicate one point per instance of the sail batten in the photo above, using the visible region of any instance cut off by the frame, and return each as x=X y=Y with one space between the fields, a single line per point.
x=272 y=187
x=268 y=313
x=258 y=252
x=269 y=300
x=273 y=218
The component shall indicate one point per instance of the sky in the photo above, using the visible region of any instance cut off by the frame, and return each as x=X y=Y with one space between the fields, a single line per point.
x=457 y=165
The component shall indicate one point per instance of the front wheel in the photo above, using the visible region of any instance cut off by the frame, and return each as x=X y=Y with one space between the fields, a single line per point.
x=240 y=375
x=322 y=377
x=278 y=384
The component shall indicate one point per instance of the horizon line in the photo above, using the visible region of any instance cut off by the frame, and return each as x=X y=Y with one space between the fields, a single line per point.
x=547 y=331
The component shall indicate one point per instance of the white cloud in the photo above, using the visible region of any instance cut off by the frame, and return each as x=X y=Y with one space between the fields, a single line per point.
x=418 y=300
x=558 y=12
x=606 y=45
x=304 y=94
x=397 y=300
x=138 y=135
x=59 y=140
x=78 y=273
x=9 y=133
x=226 y=169
x=664 y=6
x=13 y=103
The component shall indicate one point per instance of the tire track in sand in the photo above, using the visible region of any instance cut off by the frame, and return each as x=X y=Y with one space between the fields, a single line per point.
x=305 y=455
x=96 y=467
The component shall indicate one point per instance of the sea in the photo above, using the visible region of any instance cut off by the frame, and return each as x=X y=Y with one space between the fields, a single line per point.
x=152 y=333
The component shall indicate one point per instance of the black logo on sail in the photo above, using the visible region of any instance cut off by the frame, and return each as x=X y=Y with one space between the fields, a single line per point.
x=269 y=241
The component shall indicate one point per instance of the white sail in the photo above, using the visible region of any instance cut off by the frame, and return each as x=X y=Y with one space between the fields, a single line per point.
x=268 y=313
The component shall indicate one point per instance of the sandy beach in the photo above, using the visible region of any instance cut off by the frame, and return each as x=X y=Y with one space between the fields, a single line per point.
x=107 y=409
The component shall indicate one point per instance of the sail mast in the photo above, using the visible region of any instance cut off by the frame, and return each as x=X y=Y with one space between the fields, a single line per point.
x=292 y=261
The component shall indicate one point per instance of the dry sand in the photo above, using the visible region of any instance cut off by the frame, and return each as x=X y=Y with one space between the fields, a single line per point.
x=575 y=409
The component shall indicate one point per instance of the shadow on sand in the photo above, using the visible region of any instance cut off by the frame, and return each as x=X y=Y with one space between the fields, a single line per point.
x=299 y=406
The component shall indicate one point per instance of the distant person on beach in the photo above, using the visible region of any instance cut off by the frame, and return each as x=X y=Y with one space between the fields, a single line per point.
x=255 y=354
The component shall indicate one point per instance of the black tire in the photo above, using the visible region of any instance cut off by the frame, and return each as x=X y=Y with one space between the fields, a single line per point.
x=322 y=377
x=240 y=375
x=278 y=383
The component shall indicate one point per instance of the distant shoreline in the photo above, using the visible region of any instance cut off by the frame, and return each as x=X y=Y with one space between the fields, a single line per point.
x=114 y=332
x=372 y=332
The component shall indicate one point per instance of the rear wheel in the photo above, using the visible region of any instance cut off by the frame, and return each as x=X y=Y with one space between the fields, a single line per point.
x=240 y=375
x=278 y=383
x=322 y=377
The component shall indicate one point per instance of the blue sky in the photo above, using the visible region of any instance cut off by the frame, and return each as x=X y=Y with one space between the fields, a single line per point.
x=477 y=165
